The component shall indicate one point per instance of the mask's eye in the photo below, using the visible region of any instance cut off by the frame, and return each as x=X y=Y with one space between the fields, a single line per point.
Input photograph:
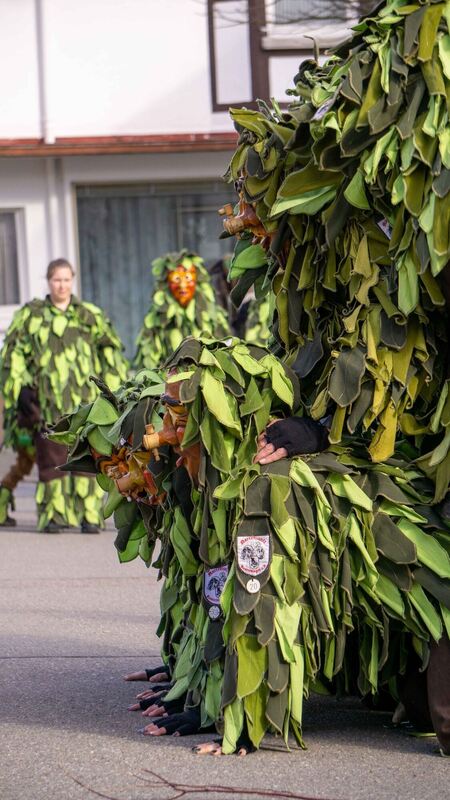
x=173 y=405
x=178 y=409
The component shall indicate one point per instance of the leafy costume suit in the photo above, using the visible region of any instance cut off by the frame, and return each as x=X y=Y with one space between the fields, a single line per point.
x=351 y=186
x=335 y=574
x=167 y=323
x=257 y=324
x=53 y=353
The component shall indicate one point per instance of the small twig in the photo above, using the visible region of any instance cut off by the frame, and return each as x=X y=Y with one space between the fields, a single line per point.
x=94 y=791
x=184 y=789
x=192 y=789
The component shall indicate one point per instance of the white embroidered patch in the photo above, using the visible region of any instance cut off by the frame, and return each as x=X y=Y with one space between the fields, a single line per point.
x=213 y=583
x=214 y=612
x=253 y=554
x=253 y=585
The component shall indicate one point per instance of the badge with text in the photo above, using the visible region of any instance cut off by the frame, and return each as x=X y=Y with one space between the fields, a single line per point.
x=213 y=582
x=253 y=553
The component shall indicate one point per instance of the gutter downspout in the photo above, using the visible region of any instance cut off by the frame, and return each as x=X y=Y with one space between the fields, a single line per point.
x=48 y=135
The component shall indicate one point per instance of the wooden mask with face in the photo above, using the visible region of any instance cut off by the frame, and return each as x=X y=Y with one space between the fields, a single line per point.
x=182 y=282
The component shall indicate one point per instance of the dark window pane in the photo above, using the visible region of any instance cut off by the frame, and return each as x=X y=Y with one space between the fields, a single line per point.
x=286 y=11
x=123 y=228
x=9 y=272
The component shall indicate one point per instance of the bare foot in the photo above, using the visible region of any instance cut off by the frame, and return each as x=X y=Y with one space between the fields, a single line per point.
x=208 y=749
x=215 y=749
x=154 y=711
x=146 y=694
x=155 y=730
x=178 y=724
x=149 y=700
x=135 y=676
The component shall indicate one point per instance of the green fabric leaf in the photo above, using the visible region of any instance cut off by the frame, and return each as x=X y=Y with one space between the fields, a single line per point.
x=233 y=716
x=99 y=443
x=102 y=412
x=429 y=551
x=252 y=664
x=219 y=403
x=355 y=192
x=255 y=707
x=426 y=611
x=346 y=377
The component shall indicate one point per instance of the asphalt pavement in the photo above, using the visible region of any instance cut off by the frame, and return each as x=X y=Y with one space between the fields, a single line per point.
x=73 y=621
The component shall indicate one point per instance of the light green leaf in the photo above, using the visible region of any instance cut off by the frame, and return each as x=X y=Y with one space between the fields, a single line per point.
x=59 y=324
x=102 y=412
x=252 y=664
x=233 y=716
x=426 y=610
x=429 y=551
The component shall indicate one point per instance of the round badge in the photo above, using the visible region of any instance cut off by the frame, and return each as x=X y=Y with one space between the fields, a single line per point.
x=214 y=612
x=253 y=585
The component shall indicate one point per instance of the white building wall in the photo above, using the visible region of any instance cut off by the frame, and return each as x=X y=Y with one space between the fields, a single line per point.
x=106 y=67
x=20 y=115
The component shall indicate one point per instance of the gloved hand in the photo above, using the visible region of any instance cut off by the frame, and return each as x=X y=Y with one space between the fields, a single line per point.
x=29 y=412
x=289 y=437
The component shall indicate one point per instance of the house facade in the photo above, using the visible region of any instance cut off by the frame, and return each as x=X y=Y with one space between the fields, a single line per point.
x=115 y=131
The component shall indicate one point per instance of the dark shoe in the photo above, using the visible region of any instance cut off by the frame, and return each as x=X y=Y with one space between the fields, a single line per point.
x=9 y=522
x=52 y=527
x=87 y=527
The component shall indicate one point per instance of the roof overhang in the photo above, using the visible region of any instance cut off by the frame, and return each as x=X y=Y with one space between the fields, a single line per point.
x=111 y=145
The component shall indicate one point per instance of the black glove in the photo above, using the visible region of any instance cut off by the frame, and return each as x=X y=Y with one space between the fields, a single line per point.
x=28 y=404
x=298 y=435
x=185 y=723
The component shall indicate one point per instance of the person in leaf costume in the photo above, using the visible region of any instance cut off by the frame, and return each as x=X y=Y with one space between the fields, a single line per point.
x=346 y=194
x=347 y=198
x=25 y=458
x=257 y=324
x=291 y=570
x=51 y=348
x=183 y=304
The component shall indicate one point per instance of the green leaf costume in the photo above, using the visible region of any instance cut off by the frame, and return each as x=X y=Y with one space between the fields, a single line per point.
x=55 y=352
x=259 y=318
x=351 y=185
x=338 y=565
x=167 y=322
x=336 y=572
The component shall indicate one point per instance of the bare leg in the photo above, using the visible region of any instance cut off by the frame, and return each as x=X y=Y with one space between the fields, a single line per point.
x=438 y=684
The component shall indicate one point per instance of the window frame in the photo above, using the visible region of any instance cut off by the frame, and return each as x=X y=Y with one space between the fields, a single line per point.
x=7 y=309
x=258 y=58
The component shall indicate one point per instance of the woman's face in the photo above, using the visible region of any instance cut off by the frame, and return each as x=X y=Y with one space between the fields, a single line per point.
x=60 y=285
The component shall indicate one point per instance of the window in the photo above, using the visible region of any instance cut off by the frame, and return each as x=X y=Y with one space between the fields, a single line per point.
x=122 y=228
x=316 y=12
x=293 y=25
x=9 y=263
x=238 y=66
x=288 y=11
